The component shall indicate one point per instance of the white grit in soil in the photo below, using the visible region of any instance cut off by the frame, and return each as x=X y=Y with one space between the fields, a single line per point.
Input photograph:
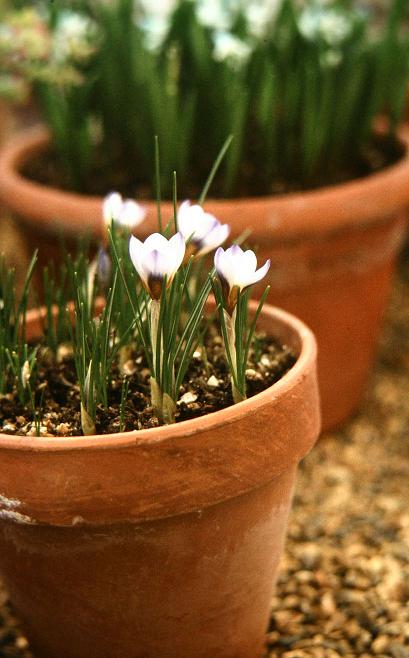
x=344 y=582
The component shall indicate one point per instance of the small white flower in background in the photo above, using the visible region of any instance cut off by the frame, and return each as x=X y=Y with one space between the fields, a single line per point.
x=334 y=27
x=327 y=24
x=72 y=37
x=260 y=15
x=155 y=29
x=201 y=230
x=214 y=14
x=153 y=18
x=156 y=259
x=237 y=270
x=124 y=212
x=231 y=49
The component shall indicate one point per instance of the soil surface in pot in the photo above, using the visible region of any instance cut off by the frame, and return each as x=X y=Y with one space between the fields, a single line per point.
x=343 y=586
x=206 y=389
x=115 y=174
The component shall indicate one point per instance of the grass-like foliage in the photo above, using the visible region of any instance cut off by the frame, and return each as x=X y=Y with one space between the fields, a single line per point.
x=298 y=83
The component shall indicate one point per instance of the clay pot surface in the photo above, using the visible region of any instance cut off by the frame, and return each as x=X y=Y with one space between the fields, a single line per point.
x=162 y=542
x=333 y=253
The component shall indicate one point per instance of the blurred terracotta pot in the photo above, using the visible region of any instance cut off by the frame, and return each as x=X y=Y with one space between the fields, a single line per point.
x=162 y=542
x=333 y=252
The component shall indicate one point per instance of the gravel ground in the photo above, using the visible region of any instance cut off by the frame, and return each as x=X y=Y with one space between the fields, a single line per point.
x=344 y=583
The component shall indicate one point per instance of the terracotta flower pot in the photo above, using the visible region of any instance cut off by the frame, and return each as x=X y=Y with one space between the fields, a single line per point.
x=333 y=252
x=162 y=542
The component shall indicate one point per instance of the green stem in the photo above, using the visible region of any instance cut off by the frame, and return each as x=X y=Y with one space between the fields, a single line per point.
x=156 y=391
x=230 y=320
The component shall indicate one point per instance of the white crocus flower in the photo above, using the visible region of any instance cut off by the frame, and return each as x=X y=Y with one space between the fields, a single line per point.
x=155 y=29
x=230 y=48
x=201 y=230
x=260 y=15
x=327 y=24
x=156 y=259
x=72 y=39
x=124 y=212
x=237 y=270
x=214 y=14
x=155 y=20
x=335 y=27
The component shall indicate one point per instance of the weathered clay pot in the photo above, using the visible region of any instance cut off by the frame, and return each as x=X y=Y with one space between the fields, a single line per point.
x=333 y=252
x=162 y=542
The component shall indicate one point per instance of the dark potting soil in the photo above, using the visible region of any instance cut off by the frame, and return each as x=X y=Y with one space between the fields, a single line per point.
x=114 y=174
x=206 y=389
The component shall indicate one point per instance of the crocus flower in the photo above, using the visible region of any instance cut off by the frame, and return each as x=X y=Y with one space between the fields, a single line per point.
x=237 y=270
x=201 y=230
x=73 y=37
x=230 y=48
x=124 y=212
x=157 y=258
x=155 y=20
x=214 y=14
x=328 y=24
x=260 y=14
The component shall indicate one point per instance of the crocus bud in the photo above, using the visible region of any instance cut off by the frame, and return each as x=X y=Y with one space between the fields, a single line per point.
x=104 y=268
x=25 y=374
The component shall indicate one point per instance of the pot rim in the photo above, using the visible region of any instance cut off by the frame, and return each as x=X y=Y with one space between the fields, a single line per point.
x=359 y=201
x=306 y=360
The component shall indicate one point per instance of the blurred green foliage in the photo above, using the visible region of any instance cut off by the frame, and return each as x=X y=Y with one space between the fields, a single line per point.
x=299 y=87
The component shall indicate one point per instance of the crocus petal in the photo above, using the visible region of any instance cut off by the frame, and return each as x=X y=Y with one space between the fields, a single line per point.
x=261 y=273
x=156 y=241
x=111 y=207
x=157 y=263
x=220 y=262
x=177 y=248
x=136 y=252
x=183 y=215
x=214 y=239
x=131 y=214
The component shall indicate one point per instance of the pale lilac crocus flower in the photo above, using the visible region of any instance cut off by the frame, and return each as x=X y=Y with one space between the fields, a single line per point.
x=124 y=212
x=237 y=270
x=156 y=259
x=201 y=230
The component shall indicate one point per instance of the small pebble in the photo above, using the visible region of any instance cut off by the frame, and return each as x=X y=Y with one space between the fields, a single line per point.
x=187 y=398
x=213 y=382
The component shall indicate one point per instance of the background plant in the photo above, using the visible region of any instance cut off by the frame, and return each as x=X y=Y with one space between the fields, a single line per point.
x=298 y=83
